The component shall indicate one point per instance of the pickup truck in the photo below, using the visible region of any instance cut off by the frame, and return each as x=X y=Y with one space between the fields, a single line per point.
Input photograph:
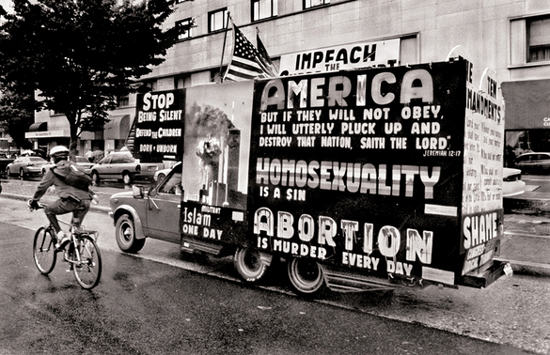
x=4 y=161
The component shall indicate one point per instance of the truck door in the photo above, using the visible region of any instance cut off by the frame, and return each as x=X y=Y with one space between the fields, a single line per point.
x=163 y=213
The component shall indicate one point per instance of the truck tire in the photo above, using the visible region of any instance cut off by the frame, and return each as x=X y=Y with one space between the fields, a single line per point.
x=249 y=264
x=306 y=276
x=125 y=235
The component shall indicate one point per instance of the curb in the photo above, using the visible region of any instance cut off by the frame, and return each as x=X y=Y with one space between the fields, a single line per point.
x=527 y=267
x=528 y=205
x=25 y=198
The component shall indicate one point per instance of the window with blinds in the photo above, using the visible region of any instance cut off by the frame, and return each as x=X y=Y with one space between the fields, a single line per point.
x=539 y=39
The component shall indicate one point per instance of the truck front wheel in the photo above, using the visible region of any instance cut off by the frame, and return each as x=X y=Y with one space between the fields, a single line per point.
x=306 y=276
x=249 y=264
x=125 y=234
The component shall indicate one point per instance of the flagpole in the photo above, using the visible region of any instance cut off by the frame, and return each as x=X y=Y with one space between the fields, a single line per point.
x=224 y=42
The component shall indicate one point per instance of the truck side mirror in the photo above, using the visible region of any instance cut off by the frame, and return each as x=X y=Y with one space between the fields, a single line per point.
x=152 y=191
x=137 y=191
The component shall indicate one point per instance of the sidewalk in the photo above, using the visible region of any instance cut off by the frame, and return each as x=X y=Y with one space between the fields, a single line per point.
x=525 y=244
x=526 y=241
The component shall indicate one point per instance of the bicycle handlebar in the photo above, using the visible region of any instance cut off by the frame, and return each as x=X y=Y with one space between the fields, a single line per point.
x=32 y=208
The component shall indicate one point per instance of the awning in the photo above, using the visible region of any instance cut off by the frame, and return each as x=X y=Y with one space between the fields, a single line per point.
x=117 y=128
x=38 y=126
x=47 y=134
x=527 y=104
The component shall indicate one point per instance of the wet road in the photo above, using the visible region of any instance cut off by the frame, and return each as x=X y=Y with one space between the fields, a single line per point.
x=147 y=307
x=512 y=311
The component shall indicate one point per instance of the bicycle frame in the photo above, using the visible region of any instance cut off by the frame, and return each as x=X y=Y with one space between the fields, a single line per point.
x=81 y=252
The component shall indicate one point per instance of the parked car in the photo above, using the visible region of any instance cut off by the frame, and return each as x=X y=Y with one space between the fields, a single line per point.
x=25 y=166
x=79 y=160
x=123 y=166
x=512 y=184
x=533 y=163
x=161 y=174
x=4 y=161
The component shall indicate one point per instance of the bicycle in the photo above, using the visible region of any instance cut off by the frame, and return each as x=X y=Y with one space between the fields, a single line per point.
x=81 y=252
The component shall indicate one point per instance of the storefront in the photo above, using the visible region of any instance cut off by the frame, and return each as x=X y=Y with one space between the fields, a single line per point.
x=45 y=135
x=527 y=117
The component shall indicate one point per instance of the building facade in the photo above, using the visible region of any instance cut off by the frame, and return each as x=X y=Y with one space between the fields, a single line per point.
x=510 y=36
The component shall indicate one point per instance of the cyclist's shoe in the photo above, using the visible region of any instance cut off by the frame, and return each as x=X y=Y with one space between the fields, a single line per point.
x=62 y=240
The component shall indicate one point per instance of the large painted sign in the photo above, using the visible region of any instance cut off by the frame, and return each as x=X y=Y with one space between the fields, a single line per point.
x=159 y=125
x=366 y=169
x=483 y=161
x=392 y=172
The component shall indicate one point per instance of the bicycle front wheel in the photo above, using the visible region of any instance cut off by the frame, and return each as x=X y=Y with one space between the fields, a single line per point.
x=43 y=250
x=87 y=268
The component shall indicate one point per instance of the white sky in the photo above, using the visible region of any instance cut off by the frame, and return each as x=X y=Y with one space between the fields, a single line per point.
x=6 y=4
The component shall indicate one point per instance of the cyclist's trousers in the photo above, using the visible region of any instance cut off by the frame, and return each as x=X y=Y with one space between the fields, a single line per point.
x=66 y=205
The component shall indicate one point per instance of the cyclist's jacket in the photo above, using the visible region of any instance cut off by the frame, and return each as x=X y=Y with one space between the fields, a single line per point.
x=63 y=190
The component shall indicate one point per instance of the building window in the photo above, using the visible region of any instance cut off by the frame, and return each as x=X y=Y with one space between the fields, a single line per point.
x=217 y=20
x=182 y=81
x=123 y=101
x=313 y=3
x=152 y=85
x=263 y=9
x=186 y=33
x=538 y=39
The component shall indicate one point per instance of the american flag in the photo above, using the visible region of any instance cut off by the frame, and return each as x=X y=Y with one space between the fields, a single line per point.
x=247 y=63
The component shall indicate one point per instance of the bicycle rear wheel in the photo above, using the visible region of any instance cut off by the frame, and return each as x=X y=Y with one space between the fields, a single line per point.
x=87 y=271
x=43 y=250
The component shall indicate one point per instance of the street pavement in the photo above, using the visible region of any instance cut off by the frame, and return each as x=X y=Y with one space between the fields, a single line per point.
x=525 y=244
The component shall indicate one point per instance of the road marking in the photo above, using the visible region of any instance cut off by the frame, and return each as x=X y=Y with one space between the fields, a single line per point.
x=528 y=235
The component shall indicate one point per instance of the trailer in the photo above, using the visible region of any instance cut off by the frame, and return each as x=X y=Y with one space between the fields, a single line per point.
x=358 y=180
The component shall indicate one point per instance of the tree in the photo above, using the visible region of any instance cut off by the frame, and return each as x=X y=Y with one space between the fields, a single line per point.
x=17 y=113
x=82 y=55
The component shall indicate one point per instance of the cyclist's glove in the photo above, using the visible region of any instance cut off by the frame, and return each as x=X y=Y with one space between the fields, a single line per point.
x=33 y=204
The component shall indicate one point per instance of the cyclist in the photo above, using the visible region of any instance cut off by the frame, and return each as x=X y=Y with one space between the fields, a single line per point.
x=71 y=199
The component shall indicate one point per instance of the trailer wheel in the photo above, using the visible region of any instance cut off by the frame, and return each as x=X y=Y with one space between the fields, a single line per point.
x=249 y=264
x=125 y=235
x=306 y=276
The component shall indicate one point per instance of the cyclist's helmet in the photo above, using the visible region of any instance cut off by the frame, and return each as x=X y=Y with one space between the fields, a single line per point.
x=59 y=153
